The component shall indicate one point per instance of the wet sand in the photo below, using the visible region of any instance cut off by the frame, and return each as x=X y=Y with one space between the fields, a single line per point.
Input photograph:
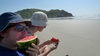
x=77 y=37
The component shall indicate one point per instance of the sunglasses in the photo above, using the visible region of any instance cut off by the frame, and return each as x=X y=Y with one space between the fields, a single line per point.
x=19 y=27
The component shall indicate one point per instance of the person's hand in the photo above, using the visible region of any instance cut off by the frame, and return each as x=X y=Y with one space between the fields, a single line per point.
x=48 y=42
x=54 y=46
x=33 y=50
x=55 y=43
x=48 y=49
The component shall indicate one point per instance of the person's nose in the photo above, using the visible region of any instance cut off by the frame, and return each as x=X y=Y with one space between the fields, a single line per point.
x=24 y=32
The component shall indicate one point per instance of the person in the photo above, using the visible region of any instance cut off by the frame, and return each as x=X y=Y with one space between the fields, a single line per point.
x=38 y=22
x=13 y=28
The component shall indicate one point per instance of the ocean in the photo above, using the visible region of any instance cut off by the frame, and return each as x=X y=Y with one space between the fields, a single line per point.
x=78 y=37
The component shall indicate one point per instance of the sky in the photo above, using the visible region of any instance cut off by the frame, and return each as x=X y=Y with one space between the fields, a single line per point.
x=76 y=7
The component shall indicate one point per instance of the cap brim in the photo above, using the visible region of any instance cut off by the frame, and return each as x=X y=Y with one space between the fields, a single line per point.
x=39 y=23
x=28 y=22
x=4 y=25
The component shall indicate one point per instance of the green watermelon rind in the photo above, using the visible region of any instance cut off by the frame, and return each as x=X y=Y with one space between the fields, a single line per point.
x=25 y=44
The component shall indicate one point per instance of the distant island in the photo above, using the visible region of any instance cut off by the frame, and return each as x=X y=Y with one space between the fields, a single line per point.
x=53 y=13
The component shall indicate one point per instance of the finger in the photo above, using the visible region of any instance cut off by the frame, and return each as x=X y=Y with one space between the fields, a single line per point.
x=34 y=50
x=30 y=53
x=56 y=44
x=49 y=42
x=34 y=46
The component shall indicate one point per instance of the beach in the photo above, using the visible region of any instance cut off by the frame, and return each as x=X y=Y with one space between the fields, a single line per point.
x=77 y=37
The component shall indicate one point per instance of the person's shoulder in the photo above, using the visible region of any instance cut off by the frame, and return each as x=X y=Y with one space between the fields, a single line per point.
x=2 y=49
x=9 y=52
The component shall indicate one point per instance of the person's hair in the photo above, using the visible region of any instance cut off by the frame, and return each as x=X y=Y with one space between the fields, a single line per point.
x=5 y=30
x=1 y=37
x=30 y=25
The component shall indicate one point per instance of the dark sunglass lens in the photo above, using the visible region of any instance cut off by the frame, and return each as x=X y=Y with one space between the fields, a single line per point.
x=26 y=27
x=19 y=28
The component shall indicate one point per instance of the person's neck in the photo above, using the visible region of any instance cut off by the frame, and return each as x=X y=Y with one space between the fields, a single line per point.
x=33 y=32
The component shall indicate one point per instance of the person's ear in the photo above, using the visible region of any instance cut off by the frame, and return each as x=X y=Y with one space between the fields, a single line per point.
x=2 y=34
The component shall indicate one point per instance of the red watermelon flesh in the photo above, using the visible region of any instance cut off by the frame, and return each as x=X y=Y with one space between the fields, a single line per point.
x=54 y=39
x=25 y=42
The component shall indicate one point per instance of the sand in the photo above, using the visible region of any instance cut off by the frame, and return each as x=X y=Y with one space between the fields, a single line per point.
x=77 y=37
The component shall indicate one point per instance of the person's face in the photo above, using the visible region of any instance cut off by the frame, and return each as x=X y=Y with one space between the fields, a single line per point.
x=13 y=34
x=34 y=29
x=40 y=28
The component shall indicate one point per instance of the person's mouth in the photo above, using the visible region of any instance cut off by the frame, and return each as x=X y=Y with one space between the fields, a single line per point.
x=23 y=35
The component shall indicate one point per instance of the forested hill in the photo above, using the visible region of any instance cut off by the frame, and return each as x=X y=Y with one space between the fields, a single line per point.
x=27 y=13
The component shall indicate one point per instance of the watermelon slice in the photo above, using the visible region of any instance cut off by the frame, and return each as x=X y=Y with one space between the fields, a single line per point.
x=25 y=42
x=54 y=39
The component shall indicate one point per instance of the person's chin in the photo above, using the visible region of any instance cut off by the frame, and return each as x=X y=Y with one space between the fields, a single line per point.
x=40 y=31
